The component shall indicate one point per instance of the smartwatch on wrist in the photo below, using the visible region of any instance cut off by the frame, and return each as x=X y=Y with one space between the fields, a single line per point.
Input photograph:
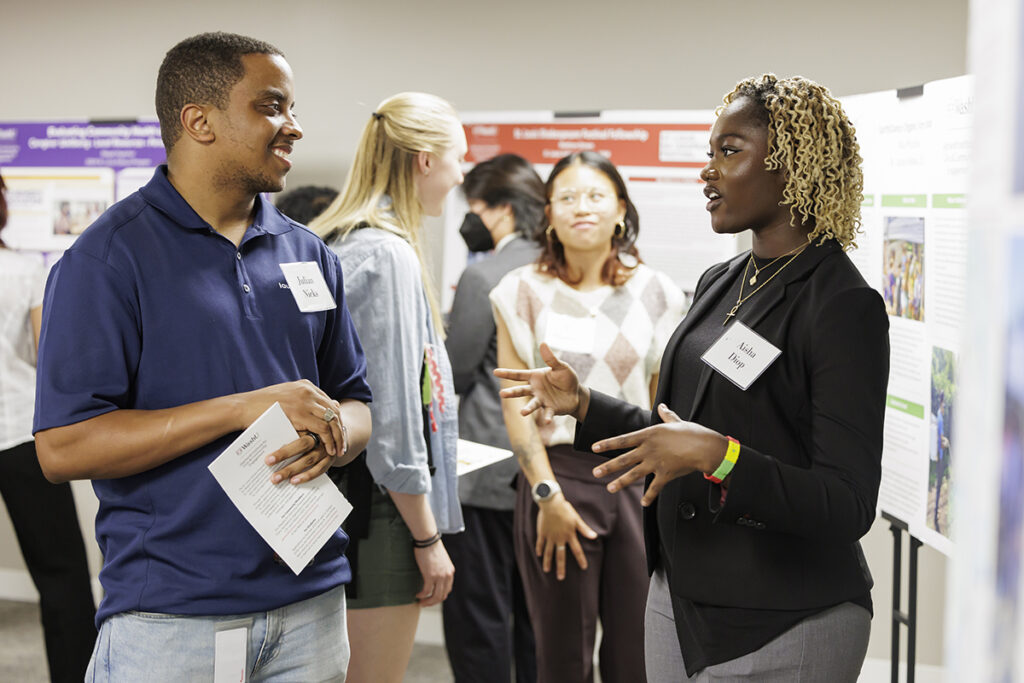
x=544 y=490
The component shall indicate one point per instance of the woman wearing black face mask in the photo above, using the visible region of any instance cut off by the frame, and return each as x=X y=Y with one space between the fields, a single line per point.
x=506 y=200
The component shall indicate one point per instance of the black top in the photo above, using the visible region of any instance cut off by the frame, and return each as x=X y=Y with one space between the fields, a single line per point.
x=711 y=634
x=805 y=485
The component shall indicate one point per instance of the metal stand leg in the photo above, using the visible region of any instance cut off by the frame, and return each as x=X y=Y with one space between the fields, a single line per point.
x=899 y=617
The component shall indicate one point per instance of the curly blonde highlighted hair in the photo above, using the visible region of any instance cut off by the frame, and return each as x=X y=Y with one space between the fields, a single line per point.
x=812 y=141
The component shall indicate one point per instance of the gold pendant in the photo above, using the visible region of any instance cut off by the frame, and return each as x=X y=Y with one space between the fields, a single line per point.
x=730 y=314
x=753 y=279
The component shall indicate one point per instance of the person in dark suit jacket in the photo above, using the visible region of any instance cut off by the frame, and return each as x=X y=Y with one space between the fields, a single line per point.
x=760 y=480
x=486 y=623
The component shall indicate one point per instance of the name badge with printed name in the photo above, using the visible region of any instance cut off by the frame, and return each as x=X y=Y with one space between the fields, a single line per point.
x=307 y=285
x=741 y=355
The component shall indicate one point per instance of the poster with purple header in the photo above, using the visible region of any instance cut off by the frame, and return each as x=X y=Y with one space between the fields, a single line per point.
x=62 y=175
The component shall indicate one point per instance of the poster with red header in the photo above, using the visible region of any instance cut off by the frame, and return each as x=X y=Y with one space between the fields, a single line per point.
x=658 y=153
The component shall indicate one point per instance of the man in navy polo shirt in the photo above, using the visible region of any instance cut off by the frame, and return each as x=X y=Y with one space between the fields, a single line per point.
x=168 y=328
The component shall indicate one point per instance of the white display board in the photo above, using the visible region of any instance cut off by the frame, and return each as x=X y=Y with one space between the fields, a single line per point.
x=916 y=150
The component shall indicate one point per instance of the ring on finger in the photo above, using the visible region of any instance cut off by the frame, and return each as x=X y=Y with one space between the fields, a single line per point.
x=316 y=441
x=560 y=546
x=329 y=415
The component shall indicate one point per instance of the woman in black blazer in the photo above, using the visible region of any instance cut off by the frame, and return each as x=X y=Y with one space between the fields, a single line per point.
x=762 y=458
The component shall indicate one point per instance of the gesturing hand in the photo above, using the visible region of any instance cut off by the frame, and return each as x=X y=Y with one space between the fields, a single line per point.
x=554 y=390
x=669 y=450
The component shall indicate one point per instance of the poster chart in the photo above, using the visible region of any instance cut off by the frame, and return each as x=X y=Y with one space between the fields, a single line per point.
x=62 y=175
x=914 y=251
x=659 y=155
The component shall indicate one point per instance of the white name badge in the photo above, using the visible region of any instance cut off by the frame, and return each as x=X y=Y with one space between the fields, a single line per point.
x=229 y=652
x=741 y=355
x=570 y=333
x=307 y=285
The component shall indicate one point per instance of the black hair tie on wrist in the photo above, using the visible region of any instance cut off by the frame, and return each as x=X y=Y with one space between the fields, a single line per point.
x=427 y=542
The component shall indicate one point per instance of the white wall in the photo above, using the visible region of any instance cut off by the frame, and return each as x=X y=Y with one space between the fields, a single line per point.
x=99 y=60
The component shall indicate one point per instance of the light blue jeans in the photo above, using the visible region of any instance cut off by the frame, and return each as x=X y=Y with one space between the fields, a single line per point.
x=303 y=642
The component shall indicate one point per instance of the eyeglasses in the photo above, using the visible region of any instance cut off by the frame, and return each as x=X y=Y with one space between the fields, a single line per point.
x=570 y=197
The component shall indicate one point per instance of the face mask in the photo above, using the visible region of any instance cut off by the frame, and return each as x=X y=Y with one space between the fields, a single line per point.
x=475 y=233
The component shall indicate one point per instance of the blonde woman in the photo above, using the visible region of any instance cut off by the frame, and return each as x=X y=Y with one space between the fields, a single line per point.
x=580 y=548
x=403 y=488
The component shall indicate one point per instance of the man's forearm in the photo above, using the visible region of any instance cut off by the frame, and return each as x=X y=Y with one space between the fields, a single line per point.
x=126 y=442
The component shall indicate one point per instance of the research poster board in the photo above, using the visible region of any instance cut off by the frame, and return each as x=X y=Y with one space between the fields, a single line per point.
x=916 y=151
x=659 y=155
x=62 y=175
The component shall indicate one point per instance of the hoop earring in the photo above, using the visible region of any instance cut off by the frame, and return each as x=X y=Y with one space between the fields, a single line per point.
x=550 y=234
x=620 y=228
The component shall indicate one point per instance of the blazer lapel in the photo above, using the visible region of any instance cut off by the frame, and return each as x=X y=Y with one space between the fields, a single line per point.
x=707 y=299
x=761 y=304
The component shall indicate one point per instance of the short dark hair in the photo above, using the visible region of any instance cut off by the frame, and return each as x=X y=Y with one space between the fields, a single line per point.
x=305 y=203
x=614 y=272
x=201 y=70
x=509 y=179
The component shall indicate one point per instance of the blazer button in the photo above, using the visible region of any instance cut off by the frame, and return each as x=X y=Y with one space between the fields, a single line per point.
x=687 y=511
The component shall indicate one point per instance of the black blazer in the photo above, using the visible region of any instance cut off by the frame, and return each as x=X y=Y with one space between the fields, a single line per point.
x=805 y=485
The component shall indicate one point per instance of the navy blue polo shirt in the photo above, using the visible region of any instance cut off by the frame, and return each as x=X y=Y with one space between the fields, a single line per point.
x=151 y=308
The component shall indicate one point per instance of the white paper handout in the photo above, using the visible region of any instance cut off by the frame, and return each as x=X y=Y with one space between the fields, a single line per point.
x=296 y=520
x=472 y=456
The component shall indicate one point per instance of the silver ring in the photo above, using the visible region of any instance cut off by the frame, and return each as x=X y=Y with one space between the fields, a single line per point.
x=329 y=415
x=560 y=546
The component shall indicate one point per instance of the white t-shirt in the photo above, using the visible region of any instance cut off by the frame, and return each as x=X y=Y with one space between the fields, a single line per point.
x=22 y=279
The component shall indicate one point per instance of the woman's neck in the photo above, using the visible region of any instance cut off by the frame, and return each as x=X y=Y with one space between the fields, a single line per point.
x=587 y=264
x=773 y=241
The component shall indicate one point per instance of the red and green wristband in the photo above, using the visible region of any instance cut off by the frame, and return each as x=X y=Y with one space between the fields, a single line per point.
x=723 y=470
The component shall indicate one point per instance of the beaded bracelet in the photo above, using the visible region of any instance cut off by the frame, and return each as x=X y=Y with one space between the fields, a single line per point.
x=723 y=470
x=427 y=542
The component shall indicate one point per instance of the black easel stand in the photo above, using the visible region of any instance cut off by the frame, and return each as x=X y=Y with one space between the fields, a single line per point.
x=908 y=618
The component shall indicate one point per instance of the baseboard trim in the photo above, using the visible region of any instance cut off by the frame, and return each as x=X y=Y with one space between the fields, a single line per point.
x=16 y=585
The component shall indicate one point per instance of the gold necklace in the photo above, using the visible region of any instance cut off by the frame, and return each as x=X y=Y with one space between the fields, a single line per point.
x=741 y=299
x=757 y=271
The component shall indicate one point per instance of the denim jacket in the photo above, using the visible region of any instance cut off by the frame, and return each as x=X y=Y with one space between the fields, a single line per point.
x=384 y=290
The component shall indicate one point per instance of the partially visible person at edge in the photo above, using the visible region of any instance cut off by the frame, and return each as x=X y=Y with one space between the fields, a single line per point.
x=168 y=329
x=43 y=514
x=757 y=498
x=486 y=621
x=305 y=203
x=408 y=159
x=589 y=296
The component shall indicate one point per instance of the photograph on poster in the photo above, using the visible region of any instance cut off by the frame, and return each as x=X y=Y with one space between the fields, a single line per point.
x=940 y=470
x=1010 y=537
x=1011 y=477
x=71 y=217
x=903 y=267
